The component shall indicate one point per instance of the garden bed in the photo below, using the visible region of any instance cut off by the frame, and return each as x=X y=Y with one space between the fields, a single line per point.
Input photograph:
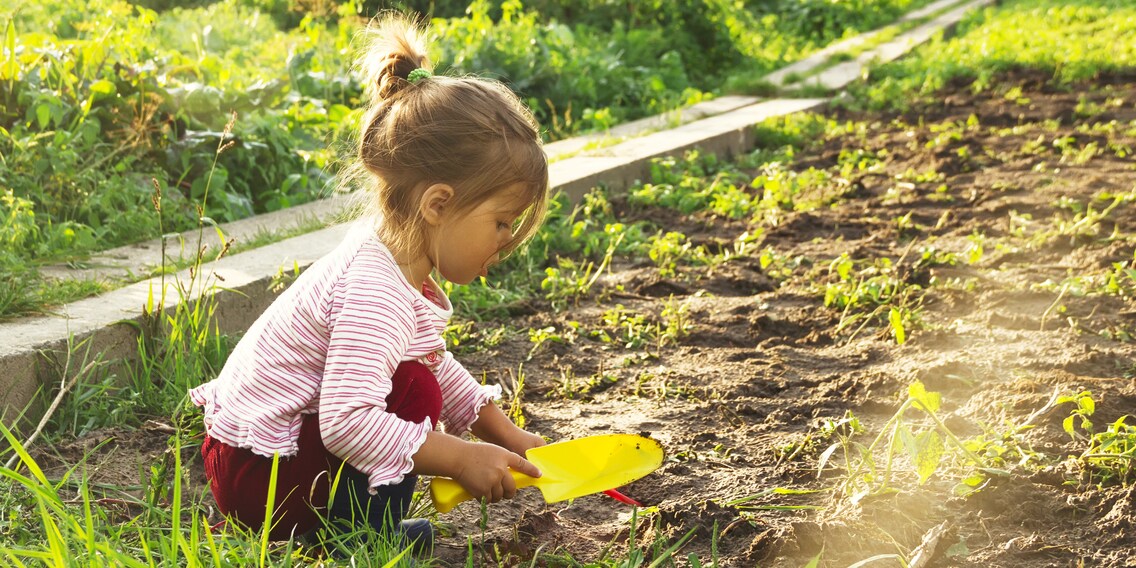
x=757 y=390
x=887 y=334
x=1000 y=258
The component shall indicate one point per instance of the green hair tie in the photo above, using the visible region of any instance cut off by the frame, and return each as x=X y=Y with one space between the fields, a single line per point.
x=418 y=75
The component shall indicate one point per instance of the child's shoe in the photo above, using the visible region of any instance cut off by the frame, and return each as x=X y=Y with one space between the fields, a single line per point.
x=418 y=532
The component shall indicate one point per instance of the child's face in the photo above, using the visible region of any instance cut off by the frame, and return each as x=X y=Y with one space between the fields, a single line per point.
x=468 y=245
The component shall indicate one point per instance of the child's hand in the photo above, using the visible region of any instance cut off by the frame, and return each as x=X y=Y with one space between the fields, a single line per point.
x=492 y=426
x=523 y=441
x=485 y=472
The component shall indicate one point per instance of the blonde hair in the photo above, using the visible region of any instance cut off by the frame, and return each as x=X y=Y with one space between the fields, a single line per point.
x=472 y=134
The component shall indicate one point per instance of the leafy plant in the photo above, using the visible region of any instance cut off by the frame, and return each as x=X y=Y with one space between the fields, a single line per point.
x=676 y=323
x=1110 y=455
x=874 y=292
x=670 y=249
x=923 y=446
x=625 y=328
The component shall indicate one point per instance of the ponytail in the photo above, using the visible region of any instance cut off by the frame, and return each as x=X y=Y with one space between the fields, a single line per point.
x=394 y=48
x=470 y=133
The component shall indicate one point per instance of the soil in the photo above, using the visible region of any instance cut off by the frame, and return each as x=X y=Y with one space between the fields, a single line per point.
x=741 y=401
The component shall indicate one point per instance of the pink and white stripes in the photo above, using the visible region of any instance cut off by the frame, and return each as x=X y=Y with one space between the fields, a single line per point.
x=330 y=344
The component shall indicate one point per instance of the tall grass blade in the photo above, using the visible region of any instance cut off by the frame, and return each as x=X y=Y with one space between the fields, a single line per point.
x=394 y=561
x=269 y=507
x=815 y=561
x=25 y=458
x=666 y=554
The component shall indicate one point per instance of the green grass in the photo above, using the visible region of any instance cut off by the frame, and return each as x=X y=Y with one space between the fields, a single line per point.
x=1071 y=40
x=117 y=94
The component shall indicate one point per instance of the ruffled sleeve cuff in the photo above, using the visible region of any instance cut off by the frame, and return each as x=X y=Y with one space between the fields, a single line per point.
x=404 y=461
x=201 y=395
x=459 y=423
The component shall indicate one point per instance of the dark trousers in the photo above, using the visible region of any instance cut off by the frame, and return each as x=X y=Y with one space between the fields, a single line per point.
x=239 y=479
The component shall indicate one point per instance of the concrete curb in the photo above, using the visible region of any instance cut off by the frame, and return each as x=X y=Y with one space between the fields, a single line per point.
x=35 y=349
x=781 y=76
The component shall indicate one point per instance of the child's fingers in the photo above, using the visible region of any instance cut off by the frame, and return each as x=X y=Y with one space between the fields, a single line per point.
x=524 y=466
x=509 y=486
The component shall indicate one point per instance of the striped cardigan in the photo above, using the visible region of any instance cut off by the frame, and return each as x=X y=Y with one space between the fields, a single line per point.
x=330 y=344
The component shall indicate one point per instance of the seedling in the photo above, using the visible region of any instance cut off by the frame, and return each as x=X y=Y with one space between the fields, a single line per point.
x=671 y=249
x=843 y=428
x=570 y=281
x=515 y=388
x=676 y=324
x=778 y=266
x=1085 y=407
x=924 y=447
x=572 y=387
x=1111 y=454
x=867 y=293
x=543 y=335
x=627 y=328
x=976 y=249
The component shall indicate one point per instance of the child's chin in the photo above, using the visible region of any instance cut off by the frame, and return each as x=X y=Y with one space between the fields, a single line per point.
x=462 y=280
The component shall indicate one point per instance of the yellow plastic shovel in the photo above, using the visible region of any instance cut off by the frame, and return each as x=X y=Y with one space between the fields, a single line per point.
x=572 y=468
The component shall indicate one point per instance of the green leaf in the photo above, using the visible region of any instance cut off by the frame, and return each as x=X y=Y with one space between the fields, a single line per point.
x=972 y=483
x=1086 y=404
x=930 y=453
x=766 y=259
x=823 y=459
x=815 y=560
x=102 y=89
x=1067 y=425
x=43 y=115
x=928 y=401
x=896 y=320
x=11 y=68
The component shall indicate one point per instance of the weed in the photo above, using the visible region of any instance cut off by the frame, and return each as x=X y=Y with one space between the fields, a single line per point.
x=572 y=387
x=872 y=292
x=1085 y=406
x=1049 y=35
x=515 y=388
x=672 y=248
x=1119 y=279
x=65 y=522
x=626 y=328
x=778 y=266
x=543 y=335
x=860 y=161
x=1111 y=453
x=976 y=248
x=747 y=503
x=843 y=428
x=1087 y=219
x=924 y=447
x=675 y=321
x=572 y=280
x=1002 y=449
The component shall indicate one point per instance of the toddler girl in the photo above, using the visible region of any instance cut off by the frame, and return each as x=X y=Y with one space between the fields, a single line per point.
x=346 y=375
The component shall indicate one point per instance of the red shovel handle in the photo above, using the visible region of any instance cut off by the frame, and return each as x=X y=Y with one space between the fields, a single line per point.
x=622 y=498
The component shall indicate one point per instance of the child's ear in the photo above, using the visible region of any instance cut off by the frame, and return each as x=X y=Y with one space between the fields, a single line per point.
x=434 y=201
